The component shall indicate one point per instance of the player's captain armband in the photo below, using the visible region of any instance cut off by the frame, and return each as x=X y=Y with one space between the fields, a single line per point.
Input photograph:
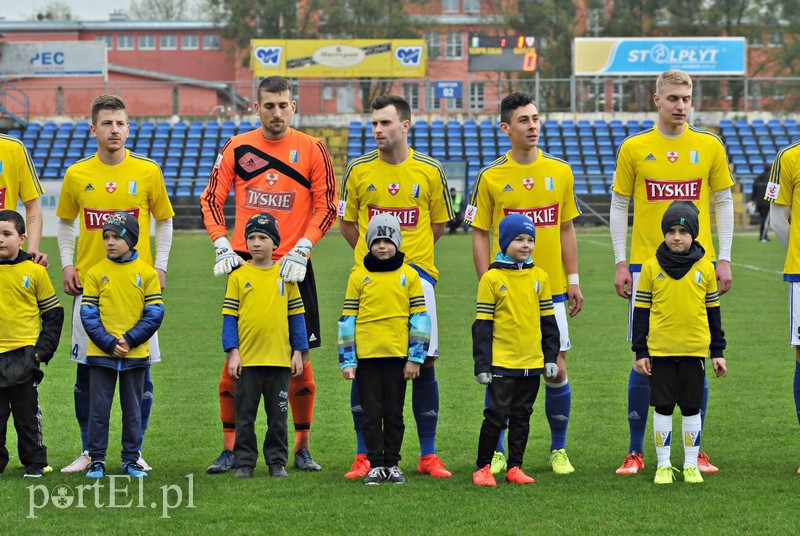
x=772 y=191
x=469 y=214
x=342 y=208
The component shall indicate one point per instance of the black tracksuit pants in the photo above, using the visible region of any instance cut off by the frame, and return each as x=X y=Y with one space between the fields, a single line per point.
x=271 y=383
x=382 y=389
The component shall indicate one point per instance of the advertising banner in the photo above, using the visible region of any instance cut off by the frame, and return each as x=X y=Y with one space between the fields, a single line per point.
x=53 y=58
x=349 y=58
x=626 y=56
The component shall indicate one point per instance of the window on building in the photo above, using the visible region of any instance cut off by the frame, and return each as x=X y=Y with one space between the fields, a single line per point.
x=189 y=42
x=147 y=42
x=454 y=48
x=109 y=40
x=775 y=40
x=433 y=104
x=168 y=42
x=433 y=40
x=449 y=6
x=472 y=6
x=411 y=94
x=210 y=42
x=124 y=42
x=477 y=96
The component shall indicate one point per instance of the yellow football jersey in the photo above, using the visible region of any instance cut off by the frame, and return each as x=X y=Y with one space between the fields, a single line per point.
x=784 y=189
x=414 y=191
x=382 y=303
x=120 y=291
x=27 y=293
x=263 y=302
x=18 y=178
x=656 y=170
x=515 y=300
x=544 y=191
x=678 y=319
x=93 y=190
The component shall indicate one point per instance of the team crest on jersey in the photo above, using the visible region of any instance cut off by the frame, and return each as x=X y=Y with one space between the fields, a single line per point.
x=132 y=187
x=772 y=191
x=272 y=178
x=672 y=156
x=469 y=213
x=26 y=281
x=548 y=183
x=294 y=156
x=650 y=157
x=138 y=280
x=394 y=188
x=111 y=187
x=415 y=190
x=371 y=188
x=402 y=280
x=89 y=188
x=508 y=188
x=527 y=182
x=694 y=157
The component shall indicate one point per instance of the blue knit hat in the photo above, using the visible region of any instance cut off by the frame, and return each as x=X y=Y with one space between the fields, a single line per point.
x=512 y=226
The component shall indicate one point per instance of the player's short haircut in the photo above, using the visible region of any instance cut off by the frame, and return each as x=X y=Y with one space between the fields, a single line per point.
x=511 y=102
x=14 y=217
x=400 y=104
x=107 y=102
x=274 y=84
x=672 y=77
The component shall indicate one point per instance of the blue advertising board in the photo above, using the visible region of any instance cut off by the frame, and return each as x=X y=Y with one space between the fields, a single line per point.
x=641 y=56
x=447 y=89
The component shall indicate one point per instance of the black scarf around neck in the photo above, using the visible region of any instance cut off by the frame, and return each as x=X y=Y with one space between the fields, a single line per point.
x=678 y=264
x=374 y=264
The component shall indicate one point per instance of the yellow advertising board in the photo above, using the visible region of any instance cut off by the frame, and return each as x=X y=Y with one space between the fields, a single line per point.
x=347 y=58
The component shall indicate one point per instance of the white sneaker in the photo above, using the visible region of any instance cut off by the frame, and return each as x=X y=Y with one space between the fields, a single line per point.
x=80 y=464
x=143 y=464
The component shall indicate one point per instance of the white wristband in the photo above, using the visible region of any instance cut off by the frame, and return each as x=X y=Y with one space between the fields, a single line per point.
x=573 y=279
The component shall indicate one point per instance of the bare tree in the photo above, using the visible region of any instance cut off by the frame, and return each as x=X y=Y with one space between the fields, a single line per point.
x=165 y=10
x=55 y=10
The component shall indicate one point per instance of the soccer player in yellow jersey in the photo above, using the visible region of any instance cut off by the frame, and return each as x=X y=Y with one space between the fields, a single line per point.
x=18 y=180
x=533 y=183
x=29 y=334
x=111 y=180
x=669 y=162
x=676 y=322
x=412 y=186
x=783 y=191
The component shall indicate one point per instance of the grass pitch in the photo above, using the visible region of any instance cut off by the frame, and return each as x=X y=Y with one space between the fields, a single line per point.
x=751 y=431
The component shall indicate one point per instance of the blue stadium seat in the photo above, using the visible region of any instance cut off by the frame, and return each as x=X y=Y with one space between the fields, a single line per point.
x=591 y=160
x=742 y=169
x=52 y=173
x=594 y=170
x=30 y=145
x=735 y=150
x=172 y=162
x=184 y=191
x=608 y=161
x=189 y=162
x=75 y=153
x=581 y=189
x=739 y=159
x=790 y=123
x=159 y=143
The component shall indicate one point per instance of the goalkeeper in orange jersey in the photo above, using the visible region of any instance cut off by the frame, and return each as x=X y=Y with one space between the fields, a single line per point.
x=290 y=174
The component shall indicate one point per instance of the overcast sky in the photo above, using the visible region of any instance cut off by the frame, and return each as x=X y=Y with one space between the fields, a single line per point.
x=82 y=9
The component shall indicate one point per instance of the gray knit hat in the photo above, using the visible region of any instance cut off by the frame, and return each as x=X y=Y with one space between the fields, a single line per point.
x=384 y=226
x=125 y=225
x=683 y=213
